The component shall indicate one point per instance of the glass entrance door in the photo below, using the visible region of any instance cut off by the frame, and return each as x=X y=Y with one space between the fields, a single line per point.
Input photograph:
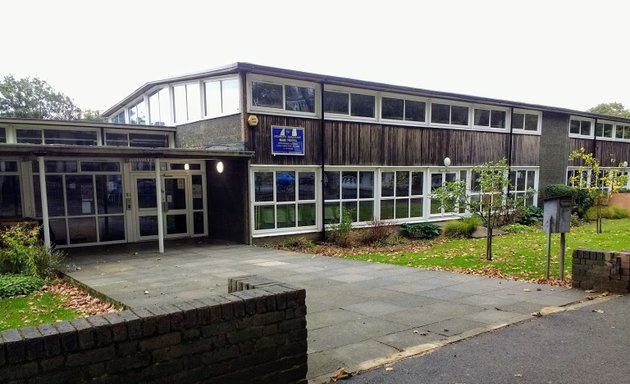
x=175 y=209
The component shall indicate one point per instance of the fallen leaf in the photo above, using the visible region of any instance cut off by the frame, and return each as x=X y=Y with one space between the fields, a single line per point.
x=598 y=311
x=341 y=374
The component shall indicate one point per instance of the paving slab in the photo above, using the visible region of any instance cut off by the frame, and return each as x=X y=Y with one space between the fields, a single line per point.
x=358 y=312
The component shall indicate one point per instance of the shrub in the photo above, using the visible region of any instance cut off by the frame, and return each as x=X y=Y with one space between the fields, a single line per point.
x=558 y=190
x=462 y=228
x=420 y=230
x=517 y=228
x=377 y=232
x=298 y=243
x=581 y=203
x=13 y=285
x=21 y=252
x=340 y=233
x=530 y=215
x=607 y=213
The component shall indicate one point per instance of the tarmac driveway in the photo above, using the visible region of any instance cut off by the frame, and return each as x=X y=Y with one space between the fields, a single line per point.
x=360 y=314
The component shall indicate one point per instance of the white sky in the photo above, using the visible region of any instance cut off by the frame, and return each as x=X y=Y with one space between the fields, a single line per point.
x=571 y=54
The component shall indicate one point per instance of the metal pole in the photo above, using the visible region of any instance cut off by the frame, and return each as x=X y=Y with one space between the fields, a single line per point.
x=548 y=247
x=562 y=243
x=158 y=194
x=44 y=196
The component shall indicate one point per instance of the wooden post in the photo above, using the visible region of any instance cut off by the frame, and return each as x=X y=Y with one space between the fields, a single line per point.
x=562 y=244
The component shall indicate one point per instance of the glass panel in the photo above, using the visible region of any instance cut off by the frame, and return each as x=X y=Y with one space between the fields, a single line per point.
x=366 y=210
x=182 y=167
x=54 y=193
x=8 y=166
x=231 y=101
x=482 y=117
x=263 y=185
x=100 y=166
x=193 y=99
x=58 y=232
x=141 y=109
x=349 y=208
x=10 y=198
x=331 y=185
x=362 y=105
x=57 y=166
x=3 y=135
x=176 y=224
x=626 y=132
x=148 y=140
x=387 y=184
x=459 y=115
x=517 y=120
x=402 y=183
x=348 y=185
x=497 y=119
x=585 y=128
x=154 y=109
x=306 y=215
x=147 y=197
x=29 y=136
x=69 y=137
x=531 y=179
x=109 y=194
x=336 y=102
x=306 y=186
x=286 y=215
x=148 y=225
x=392 y=108
x=436 y=181
x=415 y=208
x=417 y=183
x=435 y=207
x=80 y=195
x=450 y=177
x=175 y=193
x=414 y=110
x=300 y=98
x=285 y=186
x=520 y=180
x=198 y=223
x=265 y=217
x=332 y=213
x=144 y=165
x=387 y=209
x=197 y=191
x=116 y=139
x=366 y=184
x=266 y=95
x=575 y=127
x=165 y=107
x=111 y=228
x=402 y=208
x=619 y=132
x=82 y=230
x=531 y=122
x=608 y=129
x=599 y=129
x=179 y=96
x=440 y=113
x=213 y=98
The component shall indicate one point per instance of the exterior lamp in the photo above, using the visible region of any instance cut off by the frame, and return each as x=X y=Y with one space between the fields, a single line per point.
x=220 y=166
x=447 y=161
x=186 y=167
x=624 y=164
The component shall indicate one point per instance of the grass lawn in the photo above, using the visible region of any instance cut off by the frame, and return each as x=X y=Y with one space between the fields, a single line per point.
x=521 y=256
x=34 y=309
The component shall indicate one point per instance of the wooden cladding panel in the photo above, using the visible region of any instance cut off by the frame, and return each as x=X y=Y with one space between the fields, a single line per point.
x=262 y=141
x=612 y=153
x=525 y=150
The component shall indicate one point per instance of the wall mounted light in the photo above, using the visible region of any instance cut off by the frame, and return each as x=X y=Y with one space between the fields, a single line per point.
x=186 y=167
x=623 y=164
x=220 y=166
x=447 y=161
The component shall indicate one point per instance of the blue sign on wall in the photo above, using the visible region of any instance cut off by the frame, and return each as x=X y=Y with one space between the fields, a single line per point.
x=287 y=140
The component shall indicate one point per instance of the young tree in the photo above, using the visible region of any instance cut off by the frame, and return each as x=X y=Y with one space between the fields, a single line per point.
x=599 y=183
x=611 y=109
x=92 y=115
x=35 y=99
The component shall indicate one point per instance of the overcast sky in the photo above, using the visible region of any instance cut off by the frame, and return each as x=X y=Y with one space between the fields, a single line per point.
x=571 y=54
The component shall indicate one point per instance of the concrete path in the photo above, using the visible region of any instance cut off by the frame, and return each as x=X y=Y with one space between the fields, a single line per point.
x=360 y=314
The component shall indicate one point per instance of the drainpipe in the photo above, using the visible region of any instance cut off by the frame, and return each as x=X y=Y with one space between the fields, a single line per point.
x=160 y=208
x=44 y=196
x=509 y=150
x=322 y=144
x=595 y=140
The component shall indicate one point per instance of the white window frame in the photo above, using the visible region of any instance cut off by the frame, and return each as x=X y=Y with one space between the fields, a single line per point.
x=513 y=188
x=220 y=79
x=171 y=136
x=523 y=131
x=614 y=127
x=581 y=119
x=405 y=98
x=450 y=103
x=251 y=108
x=99 y=139
x=490 y=108
x=349 y=91
x=358 y=199
x=615 y=138
x=424 y=196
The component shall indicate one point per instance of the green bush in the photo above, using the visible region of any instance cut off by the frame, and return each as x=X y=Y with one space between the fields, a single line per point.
x=420 y=230
x=581 y=203
x=518 y=228
x=530 y=215
x=13 y=285
x=377 y=232
x=558 y=190
x=613 y=213
x=341 y=233
x=462 y=228
x=21 y=252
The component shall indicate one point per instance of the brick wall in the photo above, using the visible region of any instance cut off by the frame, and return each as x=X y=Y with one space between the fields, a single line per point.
x=601 y=270
x=254 y=334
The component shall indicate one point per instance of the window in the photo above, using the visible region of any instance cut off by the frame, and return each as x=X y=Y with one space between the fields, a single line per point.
x=221 y=97
x=449 y=114
x=348 y=103
x=489 y=117
x=284 y=199
x=350 y=193
x=138 y=113
x=187 y=102
x=523 y=185
x=118 y=118
x=604 y=129
x=10 y=191
x=29 y=136
x=622 y=132
x=56 y=136
x=438 y=180
x=580 y=127
x=283 y=95
x=160 y=107
x=131 y=139
x=402 y=194
x=525 y=121
x=3 y=135
x=402 y=109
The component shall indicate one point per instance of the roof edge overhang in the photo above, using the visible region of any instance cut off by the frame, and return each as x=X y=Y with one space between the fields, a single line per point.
x=83 y=124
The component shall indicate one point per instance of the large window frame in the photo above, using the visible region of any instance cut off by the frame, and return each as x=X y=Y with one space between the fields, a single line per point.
x=521 y=121
x=581 y=127
x=498 y=118
x=349 y=189
x=125 y=138
x=11 y=200
x=454 y=113
x=38 y=135
x=283 y=108
x=224 y=106
x=408 y=104
x=353 y=100
x=402 y=200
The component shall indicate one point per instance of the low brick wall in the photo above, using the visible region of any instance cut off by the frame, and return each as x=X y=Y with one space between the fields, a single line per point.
x=254 y=334
x=601 y=270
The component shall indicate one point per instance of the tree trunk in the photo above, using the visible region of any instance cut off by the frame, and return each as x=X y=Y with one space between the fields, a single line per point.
x=599 y=218
x=489 y=244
